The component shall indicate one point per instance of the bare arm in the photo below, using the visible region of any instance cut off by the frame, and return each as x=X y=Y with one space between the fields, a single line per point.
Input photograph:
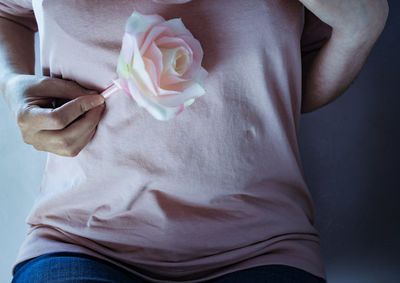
x=57 y=130
x=356 y=26
x=16 y=51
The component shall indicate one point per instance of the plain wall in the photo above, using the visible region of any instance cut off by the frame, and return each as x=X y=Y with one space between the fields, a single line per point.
x=21 y=169
x=351 y=156
x=350 y=152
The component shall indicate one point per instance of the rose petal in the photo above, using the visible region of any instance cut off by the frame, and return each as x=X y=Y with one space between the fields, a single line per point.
x=152 y=35
x=138 y=24
x=160 y=112
x=178 y=87
x=177 y=26
x=155 y=55
x=151 y=70
x=197 y=58
x=201 y=76
x=193 y=47
x=193 y=91
x=180 y=61
x=139 y=69
x=163 y=91
x=189 y=102
x=123 y=68
x=170 y=79
x=170 y=60
x=169 y=42
x=127 y=48
x=180 y=109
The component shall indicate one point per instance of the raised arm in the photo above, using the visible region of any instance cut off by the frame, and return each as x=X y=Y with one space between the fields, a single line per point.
x=356 y=26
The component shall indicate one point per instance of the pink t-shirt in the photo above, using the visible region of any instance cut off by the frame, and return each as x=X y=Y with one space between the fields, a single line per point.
x=217 y=189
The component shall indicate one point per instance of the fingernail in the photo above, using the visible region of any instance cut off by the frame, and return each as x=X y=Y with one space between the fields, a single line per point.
x=97 y=101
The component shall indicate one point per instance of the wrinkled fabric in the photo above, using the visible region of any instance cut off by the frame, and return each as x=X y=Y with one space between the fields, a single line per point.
x=219 y=188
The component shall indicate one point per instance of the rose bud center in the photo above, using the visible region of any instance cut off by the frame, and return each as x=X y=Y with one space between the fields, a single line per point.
x=175 y=61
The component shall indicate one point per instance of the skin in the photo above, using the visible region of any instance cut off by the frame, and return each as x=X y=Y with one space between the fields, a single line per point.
x=356 y=26
x=66 y=129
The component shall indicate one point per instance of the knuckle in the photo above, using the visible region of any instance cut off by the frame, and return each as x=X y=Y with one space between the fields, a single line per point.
x=82 y=106
x=26 y=138
x=72 y=152
x=21 y=118
x=57 y=120
x=37 y=147
x=65 y=143
x=20 y=121
x=67 y=147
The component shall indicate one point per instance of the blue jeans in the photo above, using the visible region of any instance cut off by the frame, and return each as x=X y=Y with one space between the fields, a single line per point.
x=79 y=268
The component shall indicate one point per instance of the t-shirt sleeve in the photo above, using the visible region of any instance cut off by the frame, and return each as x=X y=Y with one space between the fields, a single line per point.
x=19 y=11
x=315 y=34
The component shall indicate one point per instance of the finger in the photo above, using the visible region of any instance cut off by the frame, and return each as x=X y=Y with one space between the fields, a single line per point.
x=71 y=140
x=58 y=88
x=86 y=122
x=60 y=147
x=61 y=117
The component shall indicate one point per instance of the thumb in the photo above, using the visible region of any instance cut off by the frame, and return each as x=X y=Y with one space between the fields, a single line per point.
x=61 y=100
x=60 y=117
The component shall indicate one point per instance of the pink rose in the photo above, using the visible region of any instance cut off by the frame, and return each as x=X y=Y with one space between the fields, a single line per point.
x=160 y=65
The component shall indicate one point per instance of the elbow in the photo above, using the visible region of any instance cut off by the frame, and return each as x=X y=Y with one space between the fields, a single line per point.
x=314 y=101
x=305 y=108
x=310 y=102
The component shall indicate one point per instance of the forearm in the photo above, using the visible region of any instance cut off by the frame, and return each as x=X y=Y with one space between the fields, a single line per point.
x=17 y=54
x=333 y=69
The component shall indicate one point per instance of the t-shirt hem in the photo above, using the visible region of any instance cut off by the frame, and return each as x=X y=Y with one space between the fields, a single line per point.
x=291 y=254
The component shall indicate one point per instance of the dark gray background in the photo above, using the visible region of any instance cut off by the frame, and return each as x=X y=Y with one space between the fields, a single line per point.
x=350 y=153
